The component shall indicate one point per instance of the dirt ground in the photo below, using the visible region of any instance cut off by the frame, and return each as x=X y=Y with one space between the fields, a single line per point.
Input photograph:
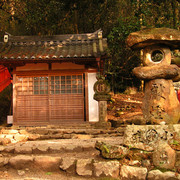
x=12 y=174
x=124 y=106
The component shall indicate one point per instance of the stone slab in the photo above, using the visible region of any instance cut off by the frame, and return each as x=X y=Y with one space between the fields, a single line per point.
x=145 y=137
x=132 y=173
x=164 y=156
x=157 y=175
x=84 y=167
x=106 y=169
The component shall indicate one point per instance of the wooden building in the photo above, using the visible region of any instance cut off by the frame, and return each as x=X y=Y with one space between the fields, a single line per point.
x=53 y=77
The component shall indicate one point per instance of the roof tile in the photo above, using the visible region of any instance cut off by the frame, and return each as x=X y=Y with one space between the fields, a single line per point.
x=53 y=47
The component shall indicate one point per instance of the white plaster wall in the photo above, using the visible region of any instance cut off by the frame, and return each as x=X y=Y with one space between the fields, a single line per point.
x=93 y=104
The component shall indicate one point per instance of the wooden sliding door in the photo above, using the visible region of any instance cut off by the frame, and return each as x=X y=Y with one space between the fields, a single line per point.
x=66 y=99
x=51 y=99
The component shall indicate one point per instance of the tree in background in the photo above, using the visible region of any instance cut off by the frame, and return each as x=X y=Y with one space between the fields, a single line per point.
x=123 y=59
x=136 y=14
x=117 y=18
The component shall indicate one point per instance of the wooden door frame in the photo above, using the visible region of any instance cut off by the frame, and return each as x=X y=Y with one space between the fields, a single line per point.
x=50 y=73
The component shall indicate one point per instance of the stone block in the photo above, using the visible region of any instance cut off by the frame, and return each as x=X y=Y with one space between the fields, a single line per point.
x=2 y=148
x=55 y=148
x=9 y=149
x=82 y=136
x=111 y=151
x=5 y=141
x=41 y=131
x=2 y=136
x=3 y=161
x=158 y=175
x=20 y=137
x=33 y=137
x=23 y=150
x=41 y=149
x=68 y=164
x=21 y=161
x=4 y=131
x=12 y=131
x=146 y=136
x=106 y=169
x=178 y=160
x=9 y=136
x=23 y=131
x=164 y=156
x=84 y=167
x=47 y=163
x=133 y=173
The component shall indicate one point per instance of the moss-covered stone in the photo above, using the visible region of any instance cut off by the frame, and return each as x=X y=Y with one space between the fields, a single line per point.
x=111 y=151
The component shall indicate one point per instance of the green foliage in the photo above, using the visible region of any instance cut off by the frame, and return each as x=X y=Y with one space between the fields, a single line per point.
x=175 y=142
x=123 y=59
x=47 y=17
x=49 y=173
x=5 y=103
x=146 y=13
x=106 y=148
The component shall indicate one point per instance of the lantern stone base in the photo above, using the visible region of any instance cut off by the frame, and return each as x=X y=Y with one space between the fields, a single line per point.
x=146 y=137
x=103 y=125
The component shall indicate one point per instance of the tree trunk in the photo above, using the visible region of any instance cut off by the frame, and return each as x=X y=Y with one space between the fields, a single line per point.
x=174 y=5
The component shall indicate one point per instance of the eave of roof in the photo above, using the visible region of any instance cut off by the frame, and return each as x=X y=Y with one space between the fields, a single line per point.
x=53 y=48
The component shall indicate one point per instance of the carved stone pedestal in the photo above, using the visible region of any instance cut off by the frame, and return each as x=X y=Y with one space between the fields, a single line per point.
x=103 y=116
x=101 y=95
x=146 y=137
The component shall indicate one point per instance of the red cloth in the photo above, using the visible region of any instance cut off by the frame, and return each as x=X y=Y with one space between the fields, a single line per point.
x=178 y=94
x=5 y=77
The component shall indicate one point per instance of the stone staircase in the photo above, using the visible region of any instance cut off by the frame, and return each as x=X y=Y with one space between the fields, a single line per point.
x=67 y=131
x=68 y=152
x=57 y=150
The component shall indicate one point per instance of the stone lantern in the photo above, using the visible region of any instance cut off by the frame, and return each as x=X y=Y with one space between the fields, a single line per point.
x=102 y=89
x=160 y=104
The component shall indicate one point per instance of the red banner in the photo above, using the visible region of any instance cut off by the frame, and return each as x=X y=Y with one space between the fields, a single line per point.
x=5 y=78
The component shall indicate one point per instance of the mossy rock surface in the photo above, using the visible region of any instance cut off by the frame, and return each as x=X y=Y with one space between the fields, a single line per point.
x=151 y=36
x=111 y=151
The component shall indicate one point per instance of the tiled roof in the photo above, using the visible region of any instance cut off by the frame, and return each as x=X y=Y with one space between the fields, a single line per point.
x=55 y=47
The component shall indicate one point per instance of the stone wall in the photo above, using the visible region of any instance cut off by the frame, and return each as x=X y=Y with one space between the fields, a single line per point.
x=148 y=152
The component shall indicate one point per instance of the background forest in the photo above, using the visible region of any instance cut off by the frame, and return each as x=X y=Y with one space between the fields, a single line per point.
x=117 y=18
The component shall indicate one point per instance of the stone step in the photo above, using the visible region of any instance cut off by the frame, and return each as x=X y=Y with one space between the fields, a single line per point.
x=57 y=130
x=88 y=167
x=12 y=135
x=74 y=165
x=61 y=126
x=56 y=146
x=76 y=157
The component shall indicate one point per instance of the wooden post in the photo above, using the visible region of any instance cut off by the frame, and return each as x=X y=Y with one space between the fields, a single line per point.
x=14 y=98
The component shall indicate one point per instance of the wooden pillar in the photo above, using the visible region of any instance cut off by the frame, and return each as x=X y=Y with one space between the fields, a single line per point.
x=14 y=99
